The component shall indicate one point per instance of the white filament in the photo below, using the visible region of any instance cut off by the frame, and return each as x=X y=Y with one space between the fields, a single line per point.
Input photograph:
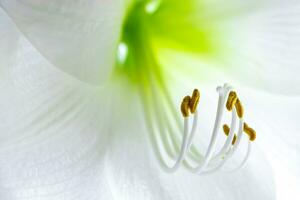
x=221 y=156
x=239 y=137
x=230 y=137
x=244 y=160
x=183 y=146
x=206 y=165
x=213 y=139
x=193 y=131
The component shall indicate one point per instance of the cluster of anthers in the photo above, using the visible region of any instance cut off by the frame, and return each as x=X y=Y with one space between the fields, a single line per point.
x=213 y=161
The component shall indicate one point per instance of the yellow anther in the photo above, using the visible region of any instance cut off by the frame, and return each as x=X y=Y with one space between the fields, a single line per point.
x=239 y=108
x=250 y=132
x=234 y=139
x=232 y=98
x=185 y=106
x=194 y=101
x=226 y=130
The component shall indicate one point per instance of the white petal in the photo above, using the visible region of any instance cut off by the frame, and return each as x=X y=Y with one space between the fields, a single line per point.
x=137 y=174
x=130 y=169
x=51 y=150
x=79 y=37
x=276 y=119
x=258 y=44
x=53 y=130
x=267 y=47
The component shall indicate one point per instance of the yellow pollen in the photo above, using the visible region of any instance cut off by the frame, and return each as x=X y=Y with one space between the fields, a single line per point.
x=239 y=108
x=185 y=106
x=232 y=98
x=226 y=130
x=194 y=101
x=250 y=132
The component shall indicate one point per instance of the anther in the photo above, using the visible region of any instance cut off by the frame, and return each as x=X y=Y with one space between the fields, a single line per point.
x=185 y=106
x=239 y=108
x=232 y=98
x=226 y=130
x=250 y=132
x=194 y=101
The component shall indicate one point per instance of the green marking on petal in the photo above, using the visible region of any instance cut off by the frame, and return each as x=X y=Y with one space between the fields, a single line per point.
x=147 y=29
x=178 y=26
x=164 y=24
x=140 y=60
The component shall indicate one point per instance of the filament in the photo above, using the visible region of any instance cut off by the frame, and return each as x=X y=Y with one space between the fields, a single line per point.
x=212 y=161
x=244 y=160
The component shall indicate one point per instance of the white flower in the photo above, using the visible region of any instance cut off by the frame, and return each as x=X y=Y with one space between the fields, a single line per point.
x=77 y=123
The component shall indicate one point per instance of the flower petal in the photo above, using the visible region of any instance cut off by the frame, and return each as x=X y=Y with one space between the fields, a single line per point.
x=267 y=48
x=278 y=135
x=130 y=168
x=254 y=43
x=137 y=174
x=78 y=37
x=275 y=119
x=53 y=130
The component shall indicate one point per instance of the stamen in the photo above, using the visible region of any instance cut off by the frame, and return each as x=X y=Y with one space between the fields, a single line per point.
x=212 y=161
x=211 y=147
x=183 y=147
x=194 y=101
x=221 y=158
x=250 y=132
x=226 y=130
x=187 y=103
x=245 y=158
x=239 y=136
x=243 y=161
x=232 y=98
x=185 y=106
x=228 y=143
x=239 y=108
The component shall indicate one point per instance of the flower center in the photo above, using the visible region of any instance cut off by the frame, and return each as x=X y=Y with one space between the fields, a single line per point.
x=154 y=25
x=135 y=52
x=148 y=27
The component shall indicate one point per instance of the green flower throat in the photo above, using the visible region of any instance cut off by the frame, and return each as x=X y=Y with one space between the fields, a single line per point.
x=151 y=26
